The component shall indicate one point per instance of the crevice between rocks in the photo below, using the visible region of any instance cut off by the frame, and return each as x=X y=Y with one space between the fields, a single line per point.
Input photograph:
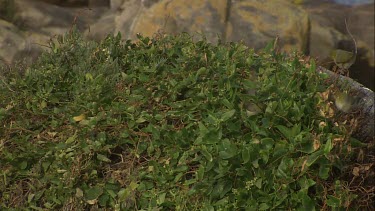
x=226 y=20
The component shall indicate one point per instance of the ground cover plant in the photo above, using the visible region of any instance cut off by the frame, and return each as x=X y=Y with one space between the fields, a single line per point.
x=168 y=123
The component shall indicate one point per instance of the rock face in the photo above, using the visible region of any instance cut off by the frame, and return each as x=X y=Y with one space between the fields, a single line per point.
x=328 y=32
x=11 y=42
x=194 y=16
x=36 y=23
x=258 y=22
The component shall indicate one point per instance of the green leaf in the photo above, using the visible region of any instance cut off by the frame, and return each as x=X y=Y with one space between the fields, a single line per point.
x=328 y=146
x=324 y=168
x=206 y=154
x=307 y=203
x=23 y=165
x=333 y=201
x=71 y=139
x=356 y=143
x=264 y=206
x=133 y=185
x=140 y=120
x=313 y=157
x=161 y=198
x=245 y=155
x=228 y=149
x=306 y=183
x=103 y=200
x=267 y=143
x=200 y=173
x=103 y=158
x=288 y=133
x=202 y=129
x=123 y=194
x=285 y=168
x=249 y=84
x=227 y=115
x=93 y=193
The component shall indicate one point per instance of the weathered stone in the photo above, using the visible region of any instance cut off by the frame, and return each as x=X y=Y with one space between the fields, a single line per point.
x=98 y=3
x=194 y=16
x=116 y=4
x=38 y=23
x=362 y=25
x=104 y=26
x=11 y=42
x=67 y=3
x=328 y=32
x=258 y=22
x=39 y=16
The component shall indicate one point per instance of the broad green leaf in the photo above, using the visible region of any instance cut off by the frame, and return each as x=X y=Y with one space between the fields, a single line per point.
x=227 y=115
x=296 y=129
x=103 y=200
x=333 y=201
x=140 y=120
x=306 y=183
x=178 y=176
x=249 y=84
x=267 y=143
x=313 y=157
x=71 y=139
x=93 y=193
x=258 y=183
x=23 y=165
x=328 y=146
x=200 y=173
x=307 y=203
x=161 y=198
x=264 y=206
x=288 y=134
x=133 y=185
x=285 y=168
x=202 y=129
x=228 y=149
x=245 y=155
x=324 y=168
x=123 y=194
x=206 y=154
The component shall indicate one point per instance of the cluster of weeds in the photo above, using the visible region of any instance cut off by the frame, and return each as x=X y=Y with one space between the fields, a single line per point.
x=166 y=123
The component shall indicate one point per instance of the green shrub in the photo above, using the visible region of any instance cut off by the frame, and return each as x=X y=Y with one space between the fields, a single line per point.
x=163 y=123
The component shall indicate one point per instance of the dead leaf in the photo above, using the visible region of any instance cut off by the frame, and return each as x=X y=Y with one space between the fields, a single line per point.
x=316 y=144
x=355 y=171
x=79 y=118
x=303 y=165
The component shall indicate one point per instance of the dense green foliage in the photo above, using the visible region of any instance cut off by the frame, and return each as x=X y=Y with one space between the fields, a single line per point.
x=163 y=123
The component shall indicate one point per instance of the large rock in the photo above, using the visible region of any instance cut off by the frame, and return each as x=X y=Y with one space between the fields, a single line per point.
x=51 y=19
x=11 y=42
x=37 y=23
x=254 y=22
x=194 y=16
x=328 y=32
x=258 y=22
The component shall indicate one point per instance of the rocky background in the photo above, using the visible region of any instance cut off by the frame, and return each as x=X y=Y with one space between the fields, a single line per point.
x=314 y=27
